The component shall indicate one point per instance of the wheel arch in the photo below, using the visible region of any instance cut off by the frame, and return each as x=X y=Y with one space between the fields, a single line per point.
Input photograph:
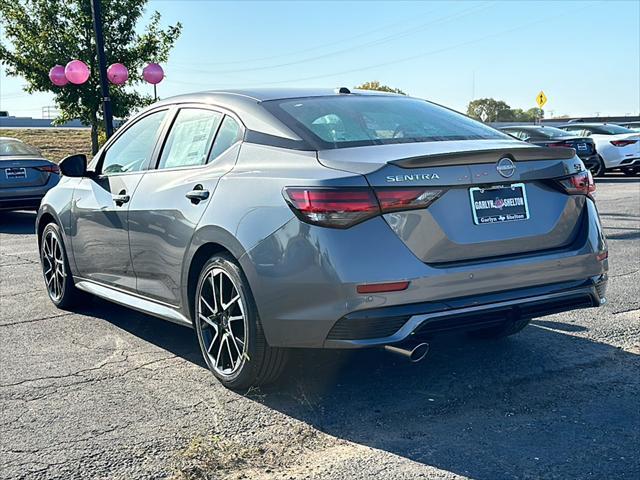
x=45 y=216
x=207 y=242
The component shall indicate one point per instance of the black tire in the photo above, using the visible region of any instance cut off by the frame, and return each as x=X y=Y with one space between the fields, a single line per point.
x=508 y=328
x=598 y=169
x=631 y=171
x=259 y=363
x=53 y=253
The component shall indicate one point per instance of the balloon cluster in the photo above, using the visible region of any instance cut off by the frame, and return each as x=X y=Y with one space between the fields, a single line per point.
x=77 y=72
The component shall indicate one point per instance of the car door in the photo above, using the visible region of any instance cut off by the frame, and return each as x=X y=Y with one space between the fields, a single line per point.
x=100 y=238
x=201 y=145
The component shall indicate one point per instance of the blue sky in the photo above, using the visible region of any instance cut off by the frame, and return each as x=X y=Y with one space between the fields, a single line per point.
x=584 y=55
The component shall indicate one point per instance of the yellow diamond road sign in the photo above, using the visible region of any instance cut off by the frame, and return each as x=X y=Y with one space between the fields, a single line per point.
x=541 y=99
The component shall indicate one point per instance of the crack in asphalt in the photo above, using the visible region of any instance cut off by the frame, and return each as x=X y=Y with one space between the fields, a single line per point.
x=56 y=389
x=35 y=320
x=625 y=273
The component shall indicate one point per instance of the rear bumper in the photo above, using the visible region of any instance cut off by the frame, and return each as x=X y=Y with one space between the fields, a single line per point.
x=630 y=162
x=396 y=324
x=21 y=203
x=304 y=280
x=19 y=198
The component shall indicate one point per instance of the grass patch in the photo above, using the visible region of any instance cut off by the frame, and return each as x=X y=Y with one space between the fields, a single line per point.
x=211 y=457
x=55 y=144
x=208 y=457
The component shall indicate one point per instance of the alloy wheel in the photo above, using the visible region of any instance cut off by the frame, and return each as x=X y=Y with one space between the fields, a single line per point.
x=53 y=266
x=223 y=325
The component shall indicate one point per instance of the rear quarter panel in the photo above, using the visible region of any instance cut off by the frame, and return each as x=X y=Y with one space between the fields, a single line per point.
x=248 y=205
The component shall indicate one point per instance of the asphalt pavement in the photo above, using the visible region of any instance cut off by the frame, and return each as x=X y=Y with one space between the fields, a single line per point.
x=105 y=392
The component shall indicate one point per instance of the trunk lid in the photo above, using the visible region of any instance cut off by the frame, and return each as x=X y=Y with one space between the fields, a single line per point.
x=537 y=215
x=18 y=172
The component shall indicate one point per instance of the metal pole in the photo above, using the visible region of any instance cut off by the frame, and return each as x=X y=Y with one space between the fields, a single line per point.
x=155 y=93
x=102 y=67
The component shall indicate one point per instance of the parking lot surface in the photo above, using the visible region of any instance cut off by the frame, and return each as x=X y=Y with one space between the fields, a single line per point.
x=105 y=392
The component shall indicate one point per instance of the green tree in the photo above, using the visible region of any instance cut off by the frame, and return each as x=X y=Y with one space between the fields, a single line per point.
x=534 y=114
x=494 y=110
x=43 y=33
x=376 y=85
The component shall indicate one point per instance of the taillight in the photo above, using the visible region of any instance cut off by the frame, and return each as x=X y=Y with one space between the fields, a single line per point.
x=336 y=207
x=560 y=145
x=622 y=143
x=394 y=199
x=49 y=169
x=345 y=207
x=579 y=184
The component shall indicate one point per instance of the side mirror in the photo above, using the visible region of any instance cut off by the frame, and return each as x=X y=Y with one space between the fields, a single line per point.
x=74 y=166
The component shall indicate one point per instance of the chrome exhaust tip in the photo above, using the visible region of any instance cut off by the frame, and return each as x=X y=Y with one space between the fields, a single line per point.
x=412 y=351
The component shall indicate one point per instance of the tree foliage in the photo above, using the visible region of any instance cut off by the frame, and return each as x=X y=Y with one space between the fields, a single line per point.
x=499 y=111
x=376 y=85
x=43 y=33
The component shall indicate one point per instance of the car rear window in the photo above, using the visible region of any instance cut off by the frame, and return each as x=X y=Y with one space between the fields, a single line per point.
x=615 y=129
x=15 y=147
x=352 y=121
x=551 y=132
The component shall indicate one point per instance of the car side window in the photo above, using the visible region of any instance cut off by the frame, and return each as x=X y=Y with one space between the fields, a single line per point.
x=519 y=134
x=132 y=150
x=190 y=138
x=229 y=133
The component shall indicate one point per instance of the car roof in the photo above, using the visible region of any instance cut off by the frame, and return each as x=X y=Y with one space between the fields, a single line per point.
x=265 y=94
x=246 y=104
x=524 y=126
x=585 y=124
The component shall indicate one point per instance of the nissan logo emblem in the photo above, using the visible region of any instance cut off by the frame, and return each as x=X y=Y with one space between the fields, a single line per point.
x=506 y=167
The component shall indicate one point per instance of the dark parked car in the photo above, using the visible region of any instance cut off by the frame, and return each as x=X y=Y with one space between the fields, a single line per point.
x=277 y=219
x=555 y=137
x=25 y=175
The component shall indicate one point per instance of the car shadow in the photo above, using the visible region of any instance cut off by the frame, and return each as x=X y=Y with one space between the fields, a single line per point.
x=518 y=408
x=177 y=339
x=18 y=223
x=545 y=403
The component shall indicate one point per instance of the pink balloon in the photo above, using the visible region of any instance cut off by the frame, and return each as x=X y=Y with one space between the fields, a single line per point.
x=56 y=75
x=76 y=72
x=153 y=73
x=117 y=74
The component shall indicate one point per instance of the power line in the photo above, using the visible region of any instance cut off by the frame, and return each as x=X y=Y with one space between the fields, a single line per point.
x=414 y=57
x=404 y=33
x=310 y=49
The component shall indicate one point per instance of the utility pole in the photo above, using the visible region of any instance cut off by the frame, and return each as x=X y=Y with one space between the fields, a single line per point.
x=102 y=67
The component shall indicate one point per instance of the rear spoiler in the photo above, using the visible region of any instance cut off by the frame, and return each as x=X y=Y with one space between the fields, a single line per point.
x=518 y=154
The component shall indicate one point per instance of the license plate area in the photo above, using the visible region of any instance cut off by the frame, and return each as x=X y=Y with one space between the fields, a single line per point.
x=15 y=173
x=498 y=204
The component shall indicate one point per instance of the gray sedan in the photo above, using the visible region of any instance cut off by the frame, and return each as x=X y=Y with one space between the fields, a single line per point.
x=25 y=175
x=277 y=219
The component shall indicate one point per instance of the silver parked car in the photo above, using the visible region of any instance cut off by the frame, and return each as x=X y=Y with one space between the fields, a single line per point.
x=25 y=175
x=273 y=219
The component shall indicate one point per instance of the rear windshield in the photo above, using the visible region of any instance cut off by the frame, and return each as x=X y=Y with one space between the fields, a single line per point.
x=353 y=121
x=10 y=147
x=615 y=129
x=551 y=132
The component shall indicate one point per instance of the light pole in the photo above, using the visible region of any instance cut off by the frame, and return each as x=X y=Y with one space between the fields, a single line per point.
x=102 y=67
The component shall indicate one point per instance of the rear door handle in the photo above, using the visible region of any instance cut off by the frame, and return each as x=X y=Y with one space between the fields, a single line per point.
x=121 y=198
x=197 y=194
